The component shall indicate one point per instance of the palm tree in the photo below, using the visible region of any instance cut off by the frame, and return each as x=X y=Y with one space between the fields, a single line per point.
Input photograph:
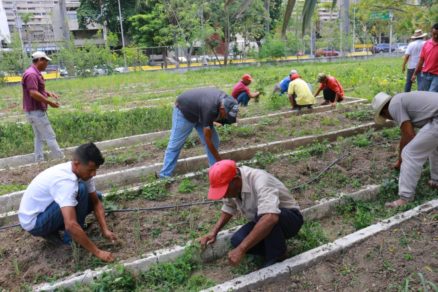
x=308 y=9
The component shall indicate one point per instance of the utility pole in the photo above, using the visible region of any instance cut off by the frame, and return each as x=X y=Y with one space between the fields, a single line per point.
x=390 y=32
x=354 y=26
x=123 y=37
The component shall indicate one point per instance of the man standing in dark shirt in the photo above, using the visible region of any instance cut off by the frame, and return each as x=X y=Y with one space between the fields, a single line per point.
x=35 y=102
x=198 y=108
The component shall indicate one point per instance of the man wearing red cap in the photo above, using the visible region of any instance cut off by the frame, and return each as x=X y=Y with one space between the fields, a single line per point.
x=299 y=93
x=331 y=89
x=241 y=90
x=273 y=213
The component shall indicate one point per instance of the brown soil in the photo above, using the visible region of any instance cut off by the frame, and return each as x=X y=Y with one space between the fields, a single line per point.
x=266 y=130
x=381 y=263
x=27 y=259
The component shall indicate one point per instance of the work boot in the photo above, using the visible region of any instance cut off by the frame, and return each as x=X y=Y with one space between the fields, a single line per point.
x=433 y=184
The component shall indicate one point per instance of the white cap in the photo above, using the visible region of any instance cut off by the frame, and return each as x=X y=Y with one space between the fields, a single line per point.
x=379 y=102
x=293 y=71
x=39 y=54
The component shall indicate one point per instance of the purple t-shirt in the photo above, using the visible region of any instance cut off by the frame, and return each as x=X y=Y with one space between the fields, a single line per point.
x=33 y=80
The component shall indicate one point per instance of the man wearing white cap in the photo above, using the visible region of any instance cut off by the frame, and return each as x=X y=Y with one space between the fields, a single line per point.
x=412 y=56
x=283 y=85
x=35 y=101
x=273 y=213
x=415 y=148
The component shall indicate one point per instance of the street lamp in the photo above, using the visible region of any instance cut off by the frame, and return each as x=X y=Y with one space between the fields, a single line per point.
x=123 y=37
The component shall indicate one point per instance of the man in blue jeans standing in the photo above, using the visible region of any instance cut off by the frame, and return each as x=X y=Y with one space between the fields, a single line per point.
x=272 y=212
x=428 y=64
x=198 y=109
x=60 y=198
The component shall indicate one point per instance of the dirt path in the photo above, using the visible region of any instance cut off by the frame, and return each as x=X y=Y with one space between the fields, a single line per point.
x=390 y=261
x=266 y=130
x=27 y=259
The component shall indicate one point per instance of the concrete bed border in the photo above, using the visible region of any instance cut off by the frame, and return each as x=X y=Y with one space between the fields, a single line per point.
x=218 y=249
x=13 y=215
x=307 y=259
x=28 y=159
x=10 y=202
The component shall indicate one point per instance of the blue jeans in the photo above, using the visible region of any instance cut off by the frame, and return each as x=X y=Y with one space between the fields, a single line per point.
x=408 y=85
x=243 y=98
x=429 y=82
x=273 y=246
x=51 y=220
x=181 y=129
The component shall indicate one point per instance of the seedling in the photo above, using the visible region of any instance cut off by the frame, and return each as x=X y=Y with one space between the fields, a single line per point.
x=186 y=186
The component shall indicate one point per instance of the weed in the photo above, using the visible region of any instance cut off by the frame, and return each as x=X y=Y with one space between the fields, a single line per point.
x=311 y=235
x=263 y=159
x=360 y=115
x=155 y=191
x=16 y=267
x=391 y=133
x=361 y=141
x=408 y=257
x=330 y=121
x=249 y=264
x=186 y=186
x=118 y=280
x=161 y=143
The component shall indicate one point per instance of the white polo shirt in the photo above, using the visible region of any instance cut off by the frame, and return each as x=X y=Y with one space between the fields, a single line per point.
x=56 y=184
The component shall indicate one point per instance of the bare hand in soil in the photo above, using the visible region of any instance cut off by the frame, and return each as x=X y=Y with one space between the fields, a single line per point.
x=235 y=256
x=105 y=256
x=397 y=165
x=207 y=240
x=109 y=235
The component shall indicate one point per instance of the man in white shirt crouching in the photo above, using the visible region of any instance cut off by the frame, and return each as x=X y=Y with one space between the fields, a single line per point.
x=60 y=197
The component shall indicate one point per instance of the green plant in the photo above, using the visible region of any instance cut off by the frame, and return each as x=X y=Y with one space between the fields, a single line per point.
x=263 y=159
x=186 y=186
x=311 y=235
x=118 y=280
x=155 y=191
x=361 y=141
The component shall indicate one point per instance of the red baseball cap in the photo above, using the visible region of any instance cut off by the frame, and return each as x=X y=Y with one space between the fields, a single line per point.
x=294 y=76
x=220 y=175
x=247 y=77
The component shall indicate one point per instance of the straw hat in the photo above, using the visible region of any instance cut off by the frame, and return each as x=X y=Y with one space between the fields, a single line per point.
x=418 y=34
x=379 y=102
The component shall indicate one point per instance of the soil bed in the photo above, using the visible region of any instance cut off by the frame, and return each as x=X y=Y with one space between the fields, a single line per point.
x=401 y=259
x=266 y=130
x=28 y=260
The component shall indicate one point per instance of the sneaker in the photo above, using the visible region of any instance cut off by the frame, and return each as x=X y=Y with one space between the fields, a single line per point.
x=54 y=238
x=433 y=184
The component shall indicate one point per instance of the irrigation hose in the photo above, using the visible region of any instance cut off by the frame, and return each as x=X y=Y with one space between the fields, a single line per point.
x=321 y=172
x=159 y=208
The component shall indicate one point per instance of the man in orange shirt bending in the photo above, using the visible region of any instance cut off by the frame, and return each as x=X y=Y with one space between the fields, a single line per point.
x=331 y=89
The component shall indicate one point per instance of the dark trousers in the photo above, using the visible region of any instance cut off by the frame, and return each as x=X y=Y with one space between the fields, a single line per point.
x=329 y=94
x=273 y=246
x=243 y=98
x=408 y=85
x=51 y=220
x=293 y=100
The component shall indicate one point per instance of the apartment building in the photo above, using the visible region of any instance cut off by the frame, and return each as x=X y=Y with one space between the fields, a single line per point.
x=45 y=24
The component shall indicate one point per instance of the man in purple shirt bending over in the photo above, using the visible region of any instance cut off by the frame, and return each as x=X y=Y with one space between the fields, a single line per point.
x=35 y=101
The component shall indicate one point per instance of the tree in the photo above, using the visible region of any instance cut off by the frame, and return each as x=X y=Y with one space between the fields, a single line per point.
x=14 y=61
x=105 y=12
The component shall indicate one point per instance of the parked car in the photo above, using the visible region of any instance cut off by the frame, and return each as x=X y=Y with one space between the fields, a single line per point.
x=383 y=48
x=63 y=72
x=326 y=53
x=401 y=47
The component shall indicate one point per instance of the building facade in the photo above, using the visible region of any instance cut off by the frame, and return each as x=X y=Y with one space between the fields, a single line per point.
x=46 y=24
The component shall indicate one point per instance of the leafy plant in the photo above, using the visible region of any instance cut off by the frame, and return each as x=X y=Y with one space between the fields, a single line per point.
x=263 y=159
x=186 y=186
